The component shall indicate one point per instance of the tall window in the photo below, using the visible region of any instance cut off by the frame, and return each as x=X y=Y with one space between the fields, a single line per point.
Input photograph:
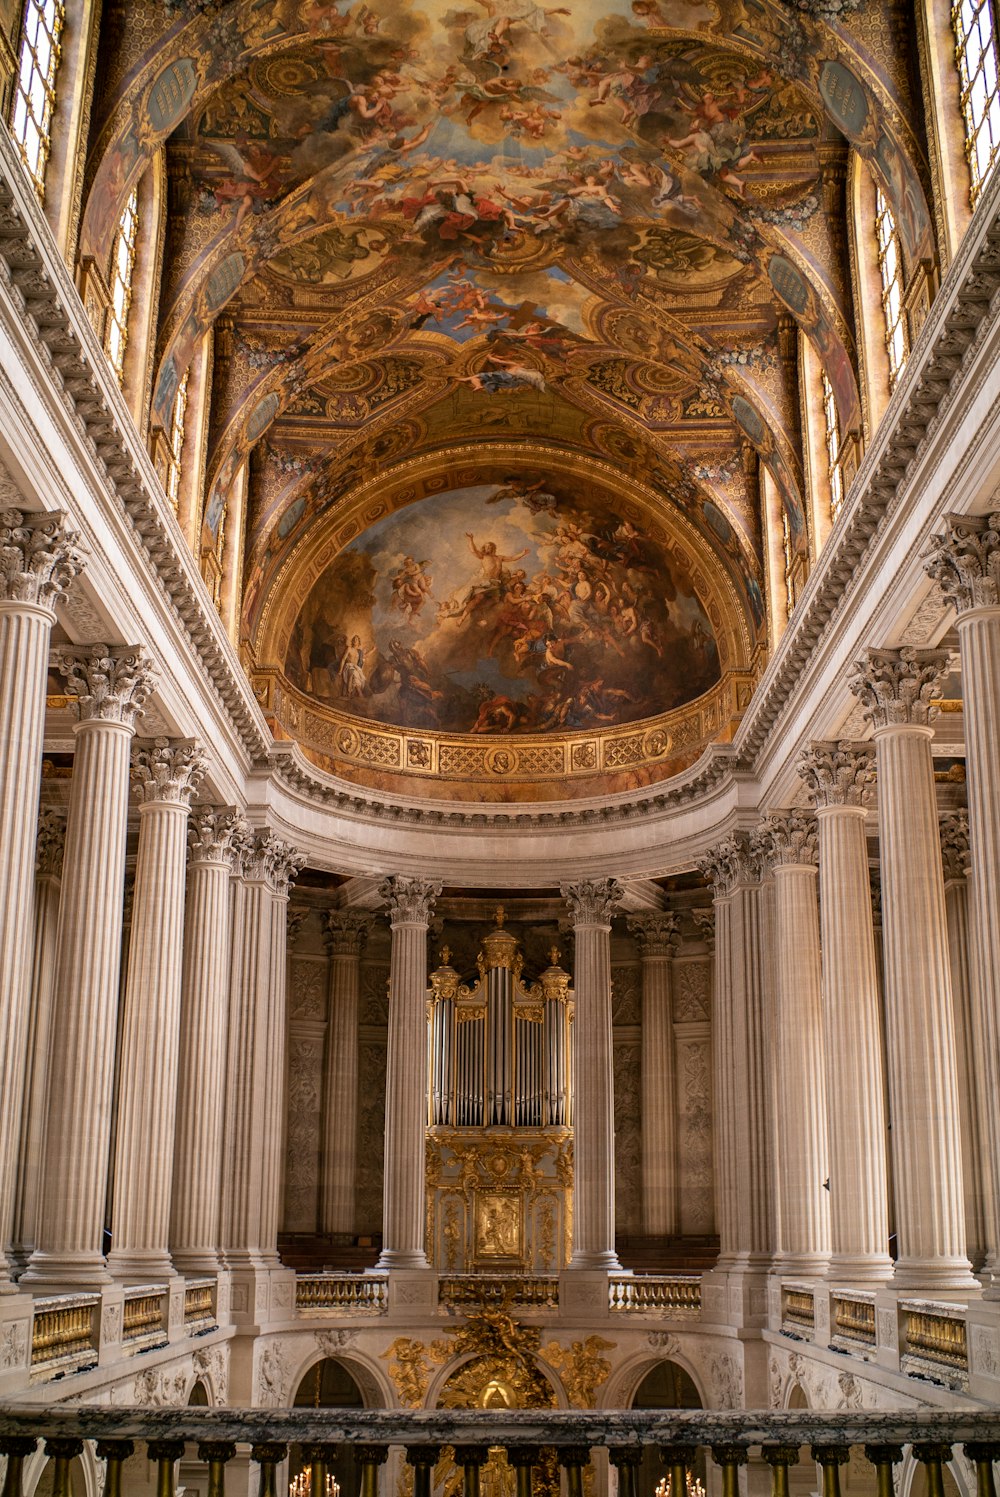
x=34 y=92
x=833 y=447
x=976 y=54
x=176 y=438
x=891 y=273
x=122 y=265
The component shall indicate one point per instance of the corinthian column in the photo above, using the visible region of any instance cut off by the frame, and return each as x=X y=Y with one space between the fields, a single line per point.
x=965 y=560
x=786 y=843
x=839 y=776
x=38 y=559
x=195 y=1202
x=897 y=688
x=963 y=951
x=255 y=1098
x=346 y=933
x=112 y=685
x=411 y=901
x=718 y=868
x=592 y=904
x=657 y=937
x=166 y=775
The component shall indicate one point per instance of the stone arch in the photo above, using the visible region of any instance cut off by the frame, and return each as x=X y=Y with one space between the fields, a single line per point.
x=448 y=1371
x=796 y=1396
x=83 y=1475
x=199 y=1396
x=912 y=1480
x=620 y=1390
x=375 y=1388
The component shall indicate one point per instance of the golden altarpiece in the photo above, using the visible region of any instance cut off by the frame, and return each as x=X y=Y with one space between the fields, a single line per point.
x=500 y=1114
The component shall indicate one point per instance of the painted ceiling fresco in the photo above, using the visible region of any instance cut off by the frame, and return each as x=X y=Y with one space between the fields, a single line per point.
x=419 y=224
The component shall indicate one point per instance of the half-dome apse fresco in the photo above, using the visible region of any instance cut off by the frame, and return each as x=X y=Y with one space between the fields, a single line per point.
x=504 y=608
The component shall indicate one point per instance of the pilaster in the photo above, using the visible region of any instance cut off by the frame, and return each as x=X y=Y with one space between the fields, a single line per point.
x=656 y=934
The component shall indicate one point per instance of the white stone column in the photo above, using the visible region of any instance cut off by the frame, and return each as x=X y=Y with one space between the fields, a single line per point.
x=965 y=560
x=48 y=871
x=840 y=776
x=346 y=933
x=166 y=775
x=962 y=944
x=196 y=1197
x=657 y=937
x=38 y=560
x=786 y=843
x=411 y=902
x=112 y=685
x=592 y=904
x=897 y=688
x=255 y=1096
x=719 y=869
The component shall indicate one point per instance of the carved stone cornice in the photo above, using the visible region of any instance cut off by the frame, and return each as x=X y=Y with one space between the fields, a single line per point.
x=346 y=931
x=735 y=860
x=965 y=561
x=657 y=932
x=112 y=684
x=898 y=687
x=786 y=839
x=956 y=854
x=50 y=842
x=168 y=770
x=410 y=900
x=593 y=901
x=270 y=861
x=39 y=557
x=838 y=772
x=210 y=834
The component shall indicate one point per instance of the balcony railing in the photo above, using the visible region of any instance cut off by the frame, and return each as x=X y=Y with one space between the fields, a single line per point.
x=342 y=1291
x=659 y=1294
x=520 y=1292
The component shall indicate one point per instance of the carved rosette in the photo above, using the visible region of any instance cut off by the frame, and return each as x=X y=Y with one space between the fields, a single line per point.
x=592 y=901
x=210 y=834
x=168 y=771
x=965 y=561
x=898 y=687
x=410 y=900
x=657 y=932
x=787 y=839
x=39 y=557
x=273 y=862
x=50 y=842
x=838 y=773
x=112 y=684
x=734 y=860
x=956 y=854
x=346 y=931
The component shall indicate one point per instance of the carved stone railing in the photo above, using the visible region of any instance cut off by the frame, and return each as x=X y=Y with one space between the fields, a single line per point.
x=525 y=1291
x=342 y=1291
x=144 y=1317
x=935 y=1341
x=853 y=1317
x=199 y=1305
x=659 y=1294
x=798 y=1309
x=64 y=1333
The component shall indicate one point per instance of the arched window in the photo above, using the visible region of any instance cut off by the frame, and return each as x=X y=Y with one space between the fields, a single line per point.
x=122 y=266
x=34 y=92
x=976 y=53
x=833 y=447
x=176 y=441
x=891 y=273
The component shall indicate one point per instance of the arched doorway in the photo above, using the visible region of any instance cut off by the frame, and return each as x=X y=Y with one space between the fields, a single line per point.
x=665 y=1386
x=329 y=1385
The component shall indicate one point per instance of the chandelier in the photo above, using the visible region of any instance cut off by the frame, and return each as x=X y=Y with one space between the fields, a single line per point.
x=301 y=1485
x=692 y=1485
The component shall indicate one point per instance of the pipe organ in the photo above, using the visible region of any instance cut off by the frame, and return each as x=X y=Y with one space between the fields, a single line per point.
x=500 y=1103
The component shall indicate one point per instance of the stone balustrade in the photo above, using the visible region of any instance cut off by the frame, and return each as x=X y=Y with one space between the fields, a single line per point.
x=662 y=1294
x=342 y=1291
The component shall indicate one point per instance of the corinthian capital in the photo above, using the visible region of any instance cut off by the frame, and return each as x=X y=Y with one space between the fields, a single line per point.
x=168 y=770
x=656 y=932
x=786 y=839
x=271 y=861
x=955 y=852
x=51 y=840
x=898 y=687
x=346 y=931
x=734 y=860
x=965 y=560
x=838 y=773
x=39 y=557
x=112 y=684
x=410 y=900
x=592 y=901
x=211 y=830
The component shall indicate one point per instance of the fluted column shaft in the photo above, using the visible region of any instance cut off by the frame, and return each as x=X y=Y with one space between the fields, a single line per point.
x=410 y=904
x=37 y=561
x=657 y=935
x=727 y=1109
x=898 y=686
x=166 y=775
x=111 y=687
x=591 y=906
x=346 y=931
x=196 y=1197
x=840 y=776
x=755 y=1199
x=276 y=1062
